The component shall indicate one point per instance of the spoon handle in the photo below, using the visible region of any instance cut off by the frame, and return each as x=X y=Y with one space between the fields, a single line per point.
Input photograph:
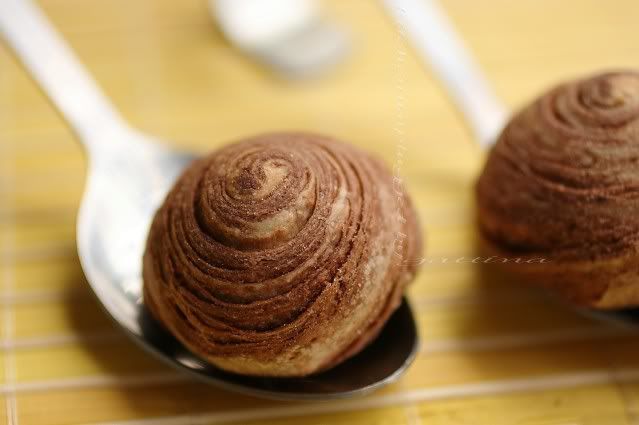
x=54 y=66
x=437 y=42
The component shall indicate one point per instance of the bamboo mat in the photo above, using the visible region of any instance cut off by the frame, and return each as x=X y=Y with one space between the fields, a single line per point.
x=494 y=352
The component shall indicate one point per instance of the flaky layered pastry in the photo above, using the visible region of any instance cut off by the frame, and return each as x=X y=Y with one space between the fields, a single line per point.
x=277 y=255
x=562 y=184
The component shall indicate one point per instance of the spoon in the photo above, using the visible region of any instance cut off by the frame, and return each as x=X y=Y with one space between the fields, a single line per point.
x=436 y=41
x=129 y=174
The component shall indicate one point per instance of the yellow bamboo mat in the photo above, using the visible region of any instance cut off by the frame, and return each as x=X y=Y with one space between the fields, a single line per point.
x=494 y=352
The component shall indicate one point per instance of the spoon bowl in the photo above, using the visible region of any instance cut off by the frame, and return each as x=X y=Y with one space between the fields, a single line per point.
x=122 y=193
x=129 y=175
x=379 y=364
x=626 y=318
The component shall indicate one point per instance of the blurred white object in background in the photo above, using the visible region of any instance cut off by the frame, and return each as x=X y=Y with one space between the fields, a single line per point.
x=290 y=36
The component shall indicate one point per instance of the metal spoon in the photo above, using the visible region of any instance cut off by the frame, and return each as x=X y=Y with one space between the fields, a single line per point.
x=436 y=41
x=129 y=174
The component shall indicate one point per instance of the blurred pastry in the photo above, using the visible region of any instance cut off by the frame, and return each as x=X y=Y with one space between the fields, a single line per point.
x=277 y=255
x=560 y=191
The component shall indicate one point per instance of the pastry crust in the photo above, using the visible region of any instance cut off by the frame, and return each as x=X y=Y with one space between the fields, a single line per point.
x=274 y=256
x=562 y=183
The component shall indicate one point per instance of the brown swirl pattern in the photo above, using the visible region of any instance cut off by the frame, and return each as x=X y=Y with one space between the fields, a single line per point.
x=274 y=256
x=562 y=183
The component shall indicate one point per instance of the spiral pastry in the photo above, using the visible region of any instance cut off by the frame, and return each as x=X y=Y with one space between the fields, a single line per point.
x=276 y=256
x=560 y=191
